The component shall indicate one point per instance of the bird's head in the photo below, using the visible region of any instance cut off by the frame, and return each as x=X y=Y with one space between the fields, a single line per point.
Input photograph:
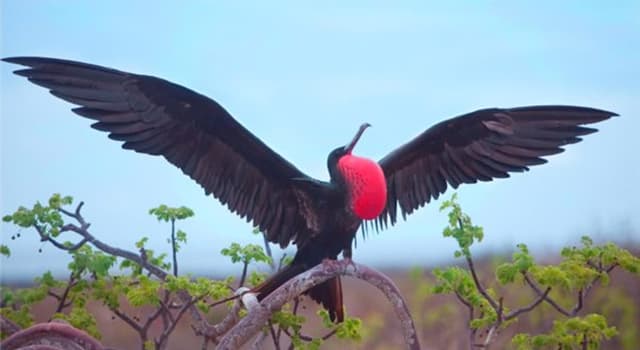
x=340 y=152
x=362 y=178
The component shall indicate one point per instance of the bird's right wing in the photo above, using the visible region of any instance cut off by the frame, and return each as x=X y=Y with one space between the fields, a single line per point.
x=193 y=132
x=478 y=146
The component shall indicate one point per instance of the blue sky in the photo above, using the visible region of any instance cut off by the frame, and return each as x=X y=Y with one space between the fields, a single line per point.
x=303 y=76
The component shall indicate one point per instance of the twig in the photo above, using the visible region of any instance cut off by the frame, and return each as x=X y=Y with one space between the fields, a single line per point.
x=244 y=273
x=490 y=333
x=257 y=317
x=140 y=259
x=174 y=249
x=546 y=298
x=62 y=301
x=131 y=322
x=308 y=338
x=168 y=330
x=582 y=293
x=515 y=313
x=476 y=280
x=276 y=338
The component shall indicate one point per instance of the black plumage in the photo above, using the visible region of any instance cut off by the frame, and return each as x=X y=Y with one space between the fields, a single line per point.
x=196 y=134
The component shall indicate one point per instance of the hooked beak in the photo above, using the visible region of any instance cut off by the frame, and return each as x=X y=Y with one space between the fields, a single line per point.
x=348 y=148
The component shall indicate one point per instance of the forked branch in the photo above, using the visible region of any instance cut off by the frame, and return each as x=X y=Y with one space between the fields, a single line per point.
x=258 y=316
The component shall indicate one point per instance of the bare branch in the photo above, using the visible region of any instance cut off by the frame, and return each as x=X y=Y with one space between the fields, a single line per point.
x=133 y=324
x=62 y=299
x=308 y=338
x=54 y=334
x=258 y=316
x=168 y=330
x=244 y=273
x=479 y=286
x=515 y=313
x=83 y=231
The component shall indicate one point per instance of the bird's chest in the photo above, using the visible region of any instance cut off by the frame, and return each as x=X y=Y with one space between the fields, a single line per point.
x=365 y=185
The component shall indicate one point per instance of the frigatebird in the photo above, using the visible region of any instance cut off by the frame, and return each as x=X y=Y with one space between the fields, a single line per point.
x=196 y=134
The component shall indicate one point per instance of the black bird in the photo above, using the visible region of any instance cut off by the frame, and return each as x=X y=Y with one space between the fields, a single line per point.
x=196 y=134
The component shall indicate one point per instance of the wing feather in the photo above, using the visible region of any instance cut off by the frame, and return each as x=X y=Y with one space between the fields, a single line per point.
x=193 y=132
x=479 y=146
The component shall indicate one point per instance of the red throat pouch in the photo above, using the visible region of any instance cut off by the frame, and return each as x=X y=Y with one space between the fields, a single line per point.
x=366 y=184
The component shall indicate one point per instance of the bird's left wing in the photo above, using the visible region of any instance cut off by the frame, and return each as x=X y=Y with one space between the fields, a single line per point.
x=478 y=146
x=195 y=133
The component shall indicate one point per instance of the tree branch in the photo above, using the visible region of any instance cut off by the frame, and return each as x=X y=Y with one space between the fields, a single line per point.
x=259 y=315
x=132 y=323
x=213 y=331
x=545 y=297
x=54 y=334
x=140 y=259
x=515 y=313
x=62 y=299
x=7 y=326
x=174 y=249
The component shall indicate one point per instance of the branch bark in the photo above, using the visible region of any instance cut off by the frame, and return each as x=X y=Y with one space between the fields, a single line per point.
x=258 y=316
x=54 y=334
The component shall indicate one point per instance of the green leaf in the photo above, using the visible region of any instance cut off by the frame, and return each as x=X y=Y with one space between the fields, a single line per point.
x=246 y=254
x=166 y=213
x=81 y=318
x=4 y=250
x=141 y=243
x=573 y=333
x=350 y=328
x=144 y=293
x=460 y=227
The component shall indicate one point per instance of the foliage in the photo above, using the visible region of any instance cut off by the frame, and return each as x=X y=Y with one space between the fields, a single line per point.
x=123 y=280
x=142 y=287
x=246 y=254
x=580 y=269
x=572 y=333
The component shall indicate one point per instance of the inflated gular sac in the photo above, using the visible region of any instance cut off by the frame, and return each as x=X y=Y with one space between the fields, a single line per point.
x=366 y=185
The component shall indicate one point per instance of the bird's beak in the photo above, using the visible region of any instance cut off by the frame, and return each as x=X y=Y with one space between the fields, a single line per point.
x=348 y=148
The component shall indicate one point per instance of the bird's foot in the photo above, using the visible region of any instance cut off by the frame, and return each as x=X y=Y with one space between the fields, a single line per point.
x=349 y=262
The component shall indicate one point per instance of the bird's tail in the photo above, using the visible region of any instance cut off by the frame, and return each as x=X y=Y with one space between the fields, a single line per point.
x=328 y=294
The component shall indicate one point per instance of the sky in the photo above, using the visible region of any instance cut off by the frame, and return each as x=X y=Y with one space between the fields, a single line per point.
x=303 y=76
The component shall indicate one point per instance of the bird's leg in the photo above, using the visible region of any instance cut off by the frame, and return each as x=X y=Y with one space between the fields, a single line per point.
x=347 y=253
x=346 y=256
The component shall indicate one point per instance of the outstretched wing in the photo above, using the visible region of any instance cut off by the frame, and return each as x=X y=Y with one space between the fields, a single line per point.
x=193 y=132
x=478 y=146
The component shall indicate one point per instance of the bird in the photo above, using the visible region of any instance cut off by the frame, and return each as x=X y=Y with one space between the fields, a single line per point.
x=321 y=218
